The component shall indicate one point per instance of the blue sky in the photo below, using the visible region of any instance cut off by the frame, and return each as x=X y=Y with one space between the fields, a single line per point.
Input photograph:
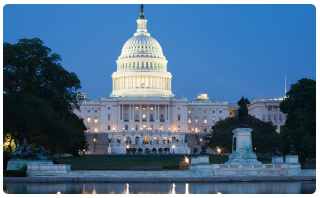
x=226 y=51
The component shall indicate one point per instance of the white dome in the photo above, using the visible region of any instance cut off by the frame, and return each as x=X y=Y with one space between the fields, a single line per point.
x=141 y=46
x=141 y=67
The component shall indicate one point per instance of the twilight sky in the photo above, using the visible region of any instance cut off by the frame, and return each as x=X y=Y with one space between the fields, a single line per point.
x=226 y=51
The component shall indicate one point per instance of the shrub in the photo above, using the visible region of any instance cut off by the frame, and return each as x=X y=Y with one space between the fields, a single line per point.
x=14 y=173
x=171 y=167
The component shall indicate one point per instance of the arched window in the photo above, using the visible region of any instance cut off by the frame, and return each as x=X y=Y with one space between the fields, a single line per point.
x=205 y=119
x=174 y=139
x=155 y=138
x=119 y=139
x=161 y=118
x=146 y=140
x=164 y=139
x=136 y=117
x=137 y=140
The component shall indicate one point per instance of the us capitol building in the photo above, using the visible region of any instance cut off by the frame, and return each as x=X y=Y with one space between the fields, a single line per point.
x=143 y=114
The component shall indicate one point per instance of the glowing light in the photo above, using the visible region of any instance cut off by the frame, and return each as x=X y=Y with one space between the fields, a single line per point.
x=173 y=146
x=58 y=192
x=7 y=143
x=219 y=193
x=186 y=160
x=127 y=146
x=218 y=150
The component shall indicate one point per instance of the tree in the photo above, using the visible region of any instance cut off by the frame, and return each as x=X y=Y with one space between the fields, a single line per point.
x=39 y=99
x=264 y=135
x=300 y=126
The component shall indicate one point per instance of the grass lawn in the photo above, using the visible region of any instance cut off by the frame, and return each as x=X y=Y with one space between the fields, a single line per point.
x=121 y=162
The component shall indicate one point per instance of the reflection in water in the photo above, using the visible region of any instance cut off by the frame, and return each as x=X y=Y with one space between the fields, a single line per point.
x=173 y=188
x=58 y=192
x=306 y=187
x=126 y=191
x=187 y=189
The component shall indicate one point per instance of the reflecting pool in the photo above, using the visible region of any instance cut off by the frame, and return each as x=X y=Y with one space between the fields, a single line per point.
x=306 y=187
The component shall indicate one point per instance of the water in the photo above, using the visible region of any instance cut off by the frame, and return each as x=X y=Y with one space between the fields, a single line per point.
x=306 y=187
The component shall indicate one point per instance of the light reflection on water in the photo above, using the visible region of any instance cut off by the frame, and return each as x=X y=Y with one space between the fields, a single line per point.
x=307 y=187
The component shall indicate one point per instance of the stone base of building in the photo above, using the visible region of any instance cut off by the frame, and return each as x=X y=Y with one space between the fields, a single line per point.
x=18 y=164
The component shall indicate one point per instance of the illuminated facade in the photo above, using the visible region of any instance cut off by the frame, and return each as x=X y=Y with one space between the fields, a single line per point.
x=142 y=112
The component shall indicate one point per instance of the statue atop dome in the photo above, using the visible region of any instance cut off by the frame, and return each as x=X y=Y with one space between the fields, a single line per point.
x=141 y=13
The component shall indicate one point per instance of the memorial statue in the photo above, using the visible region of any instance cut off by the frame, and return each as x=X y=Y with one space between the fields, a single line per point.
x=242 y=110
x=141 y=13
x=292 y=150
x=203 y=150
x=277 y=152
x=195 y=152
x=24 y=151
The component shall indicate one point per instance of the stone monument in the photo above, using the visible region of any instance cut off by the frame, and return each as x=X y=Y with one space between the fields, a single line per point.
x=277 y=158
x=242 y=148
x=25 y=155
x=241 y=140
x=293 y=166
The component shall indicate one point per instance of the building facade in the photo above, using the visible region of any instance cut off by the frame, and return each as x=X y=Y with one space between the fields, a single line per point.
x=143 y=115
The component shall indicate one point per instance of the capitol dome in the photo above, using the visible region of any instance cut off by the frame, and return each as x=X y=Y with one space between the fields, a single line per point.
x=141 y=66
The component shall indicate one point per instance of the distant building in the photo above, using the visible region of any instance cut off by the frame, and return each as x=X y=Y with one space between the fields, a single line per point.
x=267 y=110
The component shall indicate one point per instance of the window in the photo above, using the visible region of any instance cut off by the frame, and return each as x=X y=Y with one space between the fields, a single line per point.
x=161 y=128
x=220 y=111
x=109 y=108
x=179 y=108
x=220 y=119
x=88 y=120
x=205 y=120
x=95 y=130
x=143 y=108
x=109 y=127
x=88 y=111
x=189 y=111
x=205 y=112
x=151 y=108
x=109 y=117
x=126 y=127
x=196 y=120
x=196 y=111
x=96 y=120
x=179 y=117
x=136 y=108
x=95 y=111
x=118 y=139
x=88 y=129
x=213 y=119
x=213 y=111
x=189 y=120
x=137 y=127
x=263 y=109
x=280 y=118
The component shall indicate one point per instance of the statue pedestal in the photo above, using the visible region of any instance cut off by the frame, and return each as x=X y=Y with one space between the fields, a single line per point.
x=242 y=148
x=200 y=160
x=277 y=160
x=293 y=166
x=18 y=164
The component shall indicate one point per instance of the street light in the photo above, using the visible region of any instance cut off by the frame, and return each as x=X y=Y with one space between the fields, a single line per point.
x=173 y=147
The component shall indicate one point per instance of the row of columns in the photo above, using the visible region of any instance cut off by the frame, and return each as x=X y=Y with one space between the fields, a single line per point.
x=132 y=112
x=134 y=82
x=146 y=65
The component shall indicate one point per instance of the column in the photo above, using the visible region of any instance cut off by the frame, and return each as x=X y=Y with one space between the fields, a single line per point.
x=122 y=112
x=148 y=117
x=169 y=113
x=130 y=116
x=159 y=112
x=119 y=112
x=140 y=118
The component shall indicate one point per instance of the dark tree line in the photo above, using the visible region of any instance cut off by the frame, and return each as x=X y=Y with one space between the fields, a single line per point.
x=39 y=98
x=264 y=135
